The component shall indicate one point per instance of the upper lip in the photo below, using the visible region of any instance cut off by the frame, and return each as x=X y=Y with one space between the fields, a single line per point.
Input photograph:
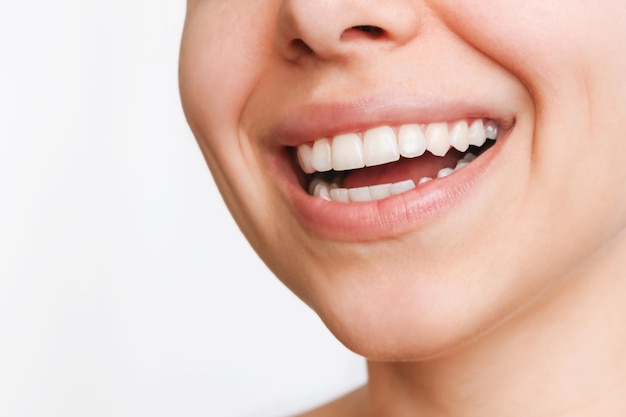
x=311 y=121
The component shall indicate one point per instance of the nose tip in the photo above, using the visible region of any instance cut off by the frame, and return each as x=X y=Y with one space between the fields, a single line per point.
x=335 y=29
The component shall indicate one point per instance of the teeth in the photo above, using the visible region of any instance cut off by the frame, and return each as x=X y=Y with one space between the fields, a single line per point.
x=331 y=191
x=437 y=138
x=460 y=165
x=347 y=152
x=360 y=194
x=384 y=145
x=411 y=141
x=305 y=157
x=379 y=192
x=324 y=190
x=321 y=155
x=402 y=187
x=380 y=146
x=444 y=172
x=491 y=130
x=459 y=136
x=316 y=186
x=340 y=195
x=477 y=134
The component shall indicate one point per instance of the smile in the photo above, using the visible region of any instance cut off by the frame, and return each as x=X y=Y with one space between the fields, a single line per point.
x=386 y=161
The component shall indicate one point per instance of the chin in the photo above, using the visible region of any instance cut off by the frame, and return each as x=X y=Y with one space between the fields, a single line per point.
x=413 y=318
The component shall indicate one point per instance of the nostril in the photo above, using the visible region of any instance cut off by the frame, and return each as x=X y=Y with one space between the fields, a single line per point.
x=363 y=31
x=373 y=31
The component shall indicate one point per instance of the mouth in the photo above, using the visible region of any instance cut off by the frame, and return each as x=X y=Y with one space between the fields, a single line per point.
x=386 y=161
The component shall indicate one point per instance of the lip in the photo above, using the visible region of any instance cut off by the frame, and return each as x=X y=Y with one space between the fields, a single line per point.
x=317 y=120
x=396 y=215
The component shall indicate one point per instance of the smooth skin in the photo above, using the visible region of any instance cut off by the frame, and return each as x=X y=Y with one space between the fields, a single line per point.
x=510 y=301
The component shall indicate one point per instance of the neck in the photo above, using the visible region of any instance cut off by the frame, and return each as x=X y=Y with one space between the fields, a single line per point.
x=563 y=356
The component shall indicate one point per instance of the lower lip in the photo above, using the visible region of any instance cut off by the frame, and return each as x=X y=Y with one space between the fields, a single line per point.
x=390 y=217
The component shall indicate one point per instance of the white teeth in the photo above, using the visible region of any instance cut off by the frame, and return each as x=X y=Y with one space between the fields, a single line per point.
x=332 y=191
x=378 y=192
x=324 y=190
x=402 y=187
x=347 y=152
x=321 y=155
x=459 y=136
x=477 y=134
x=380 y=146
x=360 y=194
x=491 y=130
x=315 y=186
x=324 y=193
x=320 y=189
x=305 y=157
x=411 y=141
x=444 y=172
x=437 y=139
x=340 y=195
x=460 y=165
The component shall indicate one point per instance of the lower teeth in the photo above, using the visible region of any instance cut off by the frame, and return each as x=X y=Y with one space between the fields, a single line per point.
x=330 y=190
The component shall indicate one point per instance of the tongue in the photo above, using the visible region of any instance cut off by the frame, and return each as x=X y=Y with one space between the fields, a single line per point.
x=414 y=169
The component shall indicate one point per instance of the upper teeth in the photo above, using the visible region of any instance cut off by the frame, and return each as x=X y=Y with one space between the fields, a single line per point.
x=385 y=144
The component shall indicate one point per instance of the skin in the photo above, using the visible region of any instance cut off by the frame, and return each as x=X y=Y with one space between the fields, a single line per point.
x=510 y=302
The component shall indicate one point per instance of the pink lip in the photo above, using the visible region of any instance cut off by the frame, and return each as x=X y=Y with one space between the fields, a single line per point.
x=395 y=215
x=316 y=120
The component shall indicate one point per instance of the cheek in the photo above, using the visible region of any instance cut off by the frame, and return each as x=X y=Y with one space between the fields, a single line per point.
x=222 y=51
x=538 y=41
x=571 y=56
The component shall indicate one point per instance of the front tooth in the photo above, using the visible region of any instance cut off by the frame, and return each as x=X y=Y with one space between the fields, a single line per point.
x=477 y=134
x=378 y=192
x=491 y=130
x=459 y=136
x=380 y=146
x=321 y=155
x=305 y=157
x=347 y=152
x=437 y=139
x=424 y=180
x=359 y=194
x=411 y=141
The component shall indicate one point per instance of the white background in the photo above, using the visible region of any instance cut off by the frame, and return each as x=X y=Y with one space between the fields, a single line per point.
x=125 y=287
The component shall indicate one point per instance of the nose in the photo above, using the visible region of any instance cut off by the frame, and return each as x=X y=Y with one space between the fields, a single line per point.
x=336 y=29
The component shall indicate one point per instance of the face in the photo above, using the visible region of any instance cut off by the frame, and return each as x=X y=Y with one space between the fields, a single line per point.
x=340 y=96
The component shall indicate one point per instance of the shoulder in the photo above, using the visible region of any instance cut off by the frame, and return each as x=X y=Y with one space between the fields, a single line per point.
x=349 y=405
